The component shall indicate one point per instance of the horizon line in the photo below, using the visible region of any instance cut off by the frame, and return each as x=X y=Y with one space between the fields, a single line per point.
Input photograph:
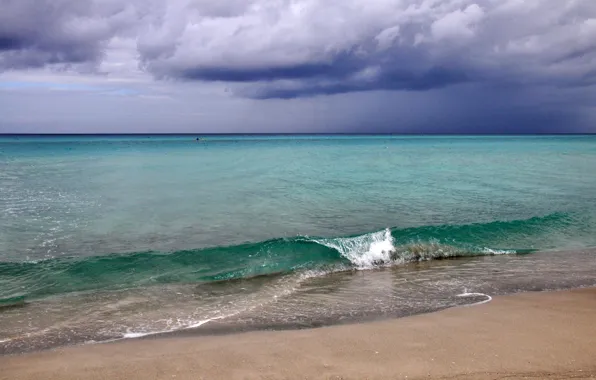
x=296 y=134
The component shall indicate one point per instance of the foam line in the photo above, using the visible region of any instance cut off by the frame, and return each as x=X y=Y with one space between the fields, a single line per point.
x=489 y=298
x=132 y=335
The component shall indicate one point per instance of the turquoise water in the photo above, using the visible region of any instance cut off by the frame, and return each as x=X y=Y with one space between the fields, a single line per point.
x=107 y=217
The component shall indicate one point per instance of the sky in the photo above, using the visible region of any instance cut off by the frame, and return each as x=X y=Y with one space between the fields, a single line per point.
x=298 y=66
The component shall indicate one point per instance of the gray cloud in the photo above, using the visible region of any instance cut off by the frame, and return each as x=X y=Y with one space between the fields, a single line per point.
x=38 y=33
x=285 y=48
x=302 y=48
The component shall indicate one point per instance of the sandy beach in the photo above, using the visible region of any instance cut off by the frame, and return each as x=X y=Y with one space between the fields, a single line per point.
x=532 y=335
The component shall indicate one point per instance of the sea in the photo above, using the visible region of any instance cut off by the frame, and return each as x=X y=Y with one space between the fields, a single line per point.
x=108 y=237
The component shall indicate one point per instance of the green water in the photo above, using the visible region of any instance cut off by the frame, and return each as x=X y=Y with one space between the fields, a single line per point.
x=94 y=221
x=116 y=271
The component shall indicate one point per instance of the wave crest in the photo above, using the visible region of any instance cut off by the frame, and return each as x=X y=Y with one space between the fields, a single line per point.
x=380 y=249
x=364 y=251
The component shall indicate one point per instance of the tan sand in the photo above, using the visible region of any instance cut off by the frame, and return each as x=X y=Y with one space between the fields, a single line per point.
x=529 y=336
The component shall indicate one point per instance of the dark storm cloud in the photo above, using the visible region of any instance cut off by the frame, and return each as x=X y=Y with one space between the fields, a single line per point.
x=346 y=73
x=11 y=43
x=261 y=74
x=433 y=78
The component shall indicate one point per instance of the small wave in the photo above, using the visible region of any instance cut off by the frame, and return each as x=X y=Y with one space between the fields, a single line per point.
x=387 y=247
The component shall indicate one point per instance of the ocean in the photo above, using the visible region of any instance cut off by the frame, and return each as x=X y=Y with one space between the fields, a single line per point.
x=114 y=237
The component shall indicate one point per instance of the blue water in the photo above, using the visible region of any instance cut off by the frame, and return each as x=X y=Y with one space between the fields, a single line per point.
x=95 y=216
x=86 y=196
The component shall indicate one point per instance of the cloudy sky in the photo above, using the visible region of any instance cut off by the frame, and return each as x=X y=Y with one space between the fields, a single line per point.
x=298 y=66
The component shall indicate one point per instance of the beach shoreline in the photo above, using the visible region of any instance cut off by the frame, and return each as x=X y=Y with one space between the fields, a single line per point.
x=528 y=335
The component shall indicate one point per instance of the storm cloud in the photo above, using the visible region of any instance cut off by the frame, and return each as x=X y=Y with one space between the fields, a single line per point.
x=38 y=33
x=294 y=49
x=308 y=47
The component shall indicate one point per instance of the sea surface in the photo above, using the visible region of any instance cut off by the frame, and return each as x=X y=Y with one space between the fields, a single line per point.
x=112 y=237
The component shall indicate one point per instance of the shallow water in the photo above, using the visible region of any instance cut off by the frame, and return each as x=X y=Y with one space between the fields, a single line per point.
x=110 y=237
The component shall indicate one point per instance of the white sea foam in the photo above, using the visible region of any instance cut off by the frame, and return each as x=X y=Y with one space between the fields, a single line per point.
x=182 y=326
x=365 y=251
x=466 y=294
x=133 y=335
x=489 y=251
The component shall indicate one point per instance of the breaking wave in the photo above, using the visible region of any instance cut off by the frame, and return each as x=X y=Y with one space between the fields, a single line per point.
x=387 y=247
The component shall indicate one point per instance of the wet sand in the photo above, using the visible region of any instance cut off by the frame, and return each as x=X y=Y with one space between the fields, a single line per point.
x=531 y=335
